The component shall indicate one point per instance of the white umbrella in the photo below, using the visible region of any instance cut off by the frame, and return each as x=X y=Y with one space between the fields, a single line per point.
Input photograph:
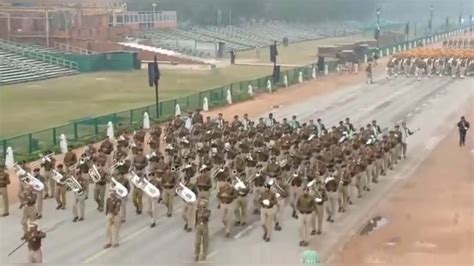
x=146 y=121
x=205 y=104
x=229 y=97
x=177 y=110
x=63 y=143
x=110 y=130
x=250 y=89
x=9 y=160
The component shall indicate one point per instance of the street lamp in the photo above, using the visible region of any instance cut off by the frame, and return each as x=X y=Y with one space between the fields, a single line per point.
x=430 y=25
x=154 y=5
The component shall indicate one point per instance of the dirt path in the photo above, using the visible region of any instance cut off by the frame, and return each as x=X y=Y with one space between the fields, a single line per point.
x=430 y=219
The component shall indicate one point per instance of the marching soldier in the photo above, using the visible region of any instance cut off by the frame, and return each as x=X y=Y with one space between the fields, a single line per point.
x=368 y=71
x=153 y=202
x=50 y=184
x=70 y=159
x=202 y=230
x=28 y=202
x=137 y=197
x=123 y=207
x=320 y=198
x=226 y=196
x=39 y=194
x=33 y=236
x=169 y=184
x=463 y=127
x=258 y=183
x=113 y=221
x=79 y=201
x=241 y=204
x=189 y=210
x=60 y=194
x=331 y=188
x=306 y=205
x=268 y=201
x=4 y=182
x=204 y=183
x=295 y=191
x=99 y=188
x=107 y=147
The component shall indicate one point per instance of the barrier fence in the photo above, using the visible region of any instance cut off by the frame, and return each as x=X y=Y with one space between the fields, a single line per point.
x=81 y=132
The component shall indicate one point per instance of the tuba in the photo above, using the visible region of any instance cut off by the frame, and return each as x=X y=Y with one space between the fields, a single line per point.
x=74 y=185
x=185 y=193
x=27 y=178
x=144 y=184
x=94 y=174
x=314 y=192
x=151 y=155
x=120 y=189
x=238 y=185
x=116 y=164
x=292 y=177
x=283 y=163
x=58 y=177
x=279 y=191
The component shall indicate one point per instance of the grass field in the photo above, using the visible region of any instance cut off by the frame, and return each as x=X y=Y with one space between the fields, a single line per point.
x=38 y=105
x=44 y=104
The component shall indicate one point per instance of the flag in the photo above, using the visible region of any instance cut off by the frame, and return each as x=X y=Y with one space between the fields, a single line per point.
x=153 y=73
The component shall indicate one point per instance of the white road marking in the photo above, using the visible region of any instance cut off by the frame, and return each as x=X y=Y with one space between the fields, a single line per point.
x=417 y=109
x=425 y=104
x=104 y=251
x=400 y=121
x=243 y=231
x=409 y=114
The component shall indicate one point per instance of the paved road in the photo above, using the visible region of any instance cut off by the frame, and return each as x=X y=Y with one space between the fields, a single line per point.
x=427 y=105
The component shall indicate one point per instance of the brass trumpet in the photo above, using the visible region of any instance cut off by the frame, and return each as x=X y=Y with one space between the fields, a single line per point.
x=46 y=158
x=279 y=191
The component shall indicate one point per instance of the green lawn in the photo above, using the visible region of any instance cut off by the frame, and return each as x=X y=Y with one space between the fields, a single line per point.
x=39 y=105
x=302 y=53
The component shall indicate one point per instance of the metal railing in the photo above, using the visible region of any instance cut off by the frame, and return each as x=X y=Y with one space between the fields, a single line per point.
x=32 y=53
x=72 y=49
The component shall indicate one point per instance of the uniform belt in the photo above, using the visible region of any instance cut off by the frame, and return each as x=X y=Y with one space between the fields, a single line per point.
x=267 y=207
x=306 y=212
x=2 y=186
x=169 y=187
x=101 y=183
x=204 y=189
x=30 y=204
x=243 y=194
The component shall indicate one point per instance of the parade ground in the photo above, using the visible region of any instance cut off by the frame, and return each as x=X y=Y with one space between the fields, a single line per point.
x=433 y=106
x=82 y=96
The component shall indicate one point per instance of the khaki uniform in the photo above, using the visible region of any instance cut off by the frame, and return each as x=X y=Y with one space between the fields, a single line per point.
x=241 y=203
x=267 y=212
x=99 y=192
x=204 y=184
x=60 y=193
x=107 y=147
x=4 y=182
x=49 y=183
x=137 y=199
x=189 y=210
x=305 y=205
x=79 y=201
x=202 y=232
x=70 y=159
x=318 y=215
x=296 y=190
x=113 y=222
x=226 y=196
x=35 y=255
x=28 y=200
x=169 y=183
x=331 y=188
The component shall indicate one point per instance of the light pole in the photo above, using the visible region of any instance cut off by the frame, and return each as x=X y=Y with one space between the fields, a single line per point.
x=430 y=25
x=377 y=29
x=154 y=5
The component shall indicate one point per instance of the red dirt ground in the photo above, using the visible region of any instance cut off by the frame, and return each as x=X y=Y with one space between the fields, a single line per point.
x=430 y=218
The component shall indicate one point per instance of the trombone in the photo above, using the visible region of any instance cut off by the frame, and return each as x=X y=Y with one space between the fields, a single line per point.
x=27 y=178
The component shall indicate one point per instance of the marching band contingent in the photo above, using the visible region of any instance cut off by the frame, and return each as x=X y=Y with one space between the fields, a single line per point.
x=455 y=59
x=252 y=168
